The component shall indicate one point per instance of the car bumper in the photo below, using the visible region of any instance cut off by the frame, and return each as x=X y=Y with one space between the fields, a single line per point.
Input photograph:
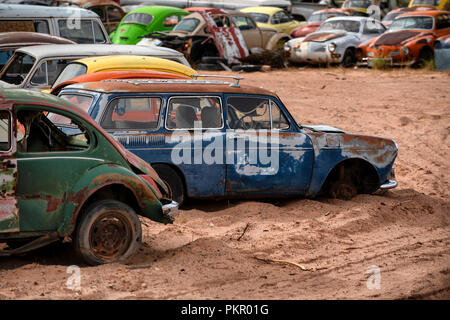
x=389 y=184
x=371 y=62
x=312 y=52
x=170 y=209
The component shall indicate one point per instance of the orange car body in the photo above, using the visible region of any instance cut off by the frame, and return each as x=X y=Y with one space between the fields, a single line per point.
x=406 y=46
x=105 y=75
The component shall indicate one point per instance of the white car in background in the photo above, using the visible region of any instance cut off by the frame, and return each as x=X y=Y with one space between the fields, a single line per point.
x=334 y=42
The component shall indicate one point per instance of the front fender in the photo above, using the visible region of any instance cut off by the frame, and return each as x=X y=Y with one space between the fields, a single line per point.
x=102 y=176
x=272 y=43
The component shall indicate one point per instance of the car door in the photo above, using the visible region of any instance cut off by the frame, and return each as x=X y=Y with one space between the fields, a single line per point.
x=50 y=161
x=9 y=209
x=251 y=33
x=266 y=151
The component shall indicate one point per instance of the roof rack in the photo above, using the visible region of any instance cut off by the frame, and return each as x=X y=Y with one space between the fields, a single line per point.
x=236 y=79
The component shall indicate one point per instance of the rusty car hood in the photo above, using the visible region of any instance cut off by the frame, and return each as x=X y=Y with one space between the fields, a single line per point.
x=325 y=36
x=397 y=37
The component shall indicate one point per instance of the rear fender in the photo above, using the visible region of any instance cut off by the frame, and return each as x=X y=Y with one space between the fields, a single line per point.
x=275 y=39
x=102 y=176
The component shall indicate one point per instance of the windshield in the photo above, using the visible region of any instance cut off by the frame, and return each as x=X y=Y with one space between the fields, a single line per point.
x=321 y=17
x=259 y=17
x=19 y=66
x=434 y=3
x=357 y=4
x=347 y=25
x=391 y=16
x=141 y=18
x=72 y=70
x=414 y=22
x=187 y=25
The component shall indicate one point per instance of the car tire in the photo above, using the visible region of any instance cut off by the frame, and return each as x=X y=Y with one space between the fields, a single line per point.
x=108 y=231
x=172 y=180
x=213 y=60
x=425 y=56
x=209 y=67
x=349 y=59
x=342 y=189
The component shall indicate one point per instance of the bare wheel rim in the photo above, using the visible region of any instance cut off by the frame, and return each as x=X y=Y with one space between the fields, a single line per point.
x=110 y=235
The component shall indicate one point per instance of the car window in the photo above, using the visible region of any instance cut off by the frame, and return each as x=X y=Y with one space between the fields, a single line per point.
x=443 y=21
x=347 y=25
x=412 y=22
x=244 y=23
x=42 y=133
x=81 y=31
x=222 y=21
x=132 y=113
x=141 y=18
x=256 y=113
x=40 y=26
x=259 y=17
x=72 y=70
x=187 y=25
x=48 y=70
x=373 y=27
x=5 y=131
x=5 y=55
x=113 y=13
x=194 y=112
x=100 y=11
x=171 y=21
x=18 y=67
x=83 y=102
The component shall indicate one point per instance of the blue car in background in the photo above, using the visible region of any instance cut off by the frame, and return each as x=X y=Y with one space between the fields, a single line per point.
x=212 y=139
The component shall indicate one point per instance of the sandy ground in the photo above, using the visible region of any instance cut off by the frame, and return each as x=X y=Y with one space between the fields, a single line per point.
x=206 y=254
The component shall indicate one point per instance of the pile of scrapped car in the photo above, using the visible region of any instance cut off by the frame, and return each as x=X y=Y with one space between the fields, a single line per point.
x=133 y=130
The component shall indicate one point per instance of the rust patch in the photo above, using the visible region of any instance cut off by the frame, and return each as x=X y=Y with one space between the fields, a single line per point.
x=395 y=38
x=322 y=36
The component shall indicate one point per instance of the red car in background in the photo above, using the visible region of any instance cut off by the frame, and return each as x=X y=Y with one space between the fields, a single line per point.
x=316 y=19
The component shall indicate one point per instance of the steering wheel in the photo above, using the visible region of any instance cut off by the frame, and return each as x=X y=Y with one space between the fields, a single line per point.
x=245 y=124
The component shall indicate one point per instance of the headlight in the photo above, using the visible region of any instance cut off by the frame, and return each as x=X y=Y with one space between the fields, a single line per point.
x=405 y=50
x=287 y=47
x=332 y=47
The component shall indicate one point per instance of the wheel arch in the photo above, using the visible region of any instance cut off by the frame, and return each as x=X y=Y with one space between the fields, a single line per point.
x=356 y=165
x=177 y=170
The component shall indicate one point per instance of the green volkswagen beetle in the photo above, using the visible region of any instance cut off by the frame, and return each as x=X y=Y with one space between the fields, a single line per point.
x=63 y=177
x=146 y=19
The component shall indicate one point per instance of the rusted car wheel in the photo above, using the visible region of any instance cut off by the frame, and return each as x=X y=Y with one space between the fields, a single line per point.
x=342 y=189
x=349 y=59
x=108 y=231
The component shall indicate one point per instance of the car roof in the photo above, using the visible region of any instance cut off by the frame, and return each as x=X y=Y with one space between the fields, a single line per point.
x=262 y=9
x=22 y=39
x=351 y=18
x=156 y=10
x=169 y=86
x=32 y=11
x=432 y=13
x=102 y=63
x=66 y=50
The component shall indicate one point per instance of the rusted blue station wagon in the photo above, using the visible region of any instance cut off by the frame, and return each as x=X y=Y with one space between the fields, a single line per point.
x=210 y=138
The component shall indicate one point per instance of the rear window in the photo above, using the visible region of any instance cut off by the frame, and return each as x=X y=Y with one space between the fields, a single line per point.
x=188 y=25
x=47 y=71
x=40 y=26
x=259 y=17
x=81 y=31
x=18 y=68
x=82 y=101
x=72 y=70
x=132 y=113
x=141 y=18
